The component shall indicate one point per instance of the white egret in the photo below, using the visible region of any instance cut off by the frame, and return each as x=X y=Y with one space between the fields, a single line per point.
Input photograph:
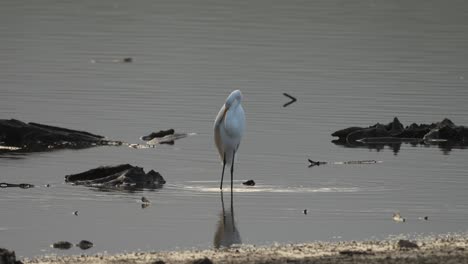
x=228 y=130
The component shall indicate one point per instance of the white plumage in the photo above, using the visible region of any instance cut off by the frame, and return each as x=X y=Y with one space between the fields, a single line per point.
x=229 y=127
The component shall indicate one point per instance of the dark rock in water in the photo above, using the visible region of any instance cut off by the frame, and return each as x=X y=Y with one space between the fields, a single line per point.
x=62 y=245
x=203 y=261
x=394 y=132
x=8 y=257
x=145 y=200
x=29 y=137
x=128 y=59
x=120 y=176
x=160 y=134
x=406 y=244
x=249 y=183
x=85 y=244
x=158 y=262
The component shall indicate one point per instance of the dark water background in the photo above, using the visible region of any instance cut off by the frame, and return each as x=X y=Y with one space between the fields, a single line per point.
x=348 y=63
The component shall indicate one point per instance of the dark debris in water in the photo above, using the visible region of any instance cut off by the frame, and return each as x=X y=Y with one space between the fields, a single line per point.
x=293 y=99
x=84 y=244
x=124 y=176
x=62 y=245
x=444 y=134
x=19 y=185
x=19 y=136
x=249 y=183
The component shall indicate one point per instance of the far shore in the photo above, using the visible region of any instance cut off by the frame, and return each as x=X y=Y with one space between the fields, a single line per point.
x=440 y=249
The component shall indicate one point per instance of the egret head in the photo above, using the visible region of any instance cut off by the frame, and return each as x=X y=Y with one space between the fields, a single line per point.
x=233 y=97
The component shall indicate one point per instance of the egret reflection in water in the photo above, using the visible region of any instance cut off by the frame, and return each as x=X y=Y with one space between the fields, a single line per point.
x=226 y=232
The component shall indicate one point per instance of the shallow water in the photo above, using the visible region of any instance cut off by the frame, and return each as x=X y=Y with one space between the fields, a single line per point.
x=347 y=63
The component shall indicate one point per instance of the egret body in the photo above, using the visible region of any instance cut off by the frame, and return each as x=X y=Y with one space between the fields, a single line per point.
x=229 y=127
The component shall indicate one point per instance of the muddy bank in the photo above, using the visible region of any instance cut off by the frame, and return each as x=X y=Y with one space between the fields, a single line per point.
x=449 y=249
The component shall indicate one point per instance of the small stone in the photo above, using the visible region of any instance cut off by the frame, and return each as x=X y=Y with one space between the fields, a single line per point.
x=128 y=59
x=158 y=262
x=305 y=211
x=249 y=183
x=75 y=213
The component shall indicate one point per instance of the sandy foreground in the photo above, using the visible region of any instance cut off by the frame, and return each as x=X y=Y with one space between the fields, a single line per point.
x=446 y=249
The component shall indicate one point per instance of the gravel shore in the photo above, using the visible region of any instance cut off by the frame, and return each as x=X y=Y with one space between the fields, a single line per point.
x=446 y=249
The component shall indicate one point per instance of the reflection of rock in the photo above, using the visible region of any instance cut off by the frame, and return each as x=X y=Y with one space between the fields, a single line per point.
x=17 y=135
x=163 y=137
x=444 y=133
x=226 y=233
x=124 y=175
x=8 y=257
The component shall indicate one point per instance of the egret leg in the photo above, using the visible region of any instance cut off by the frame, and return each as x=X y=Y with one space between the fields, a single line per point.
x=222 y=205
x=232 y=168
x=222 y=174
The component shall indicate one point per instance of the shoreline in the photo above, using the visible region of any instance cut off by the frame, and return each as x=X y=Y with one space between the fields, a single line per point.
x=441 y=249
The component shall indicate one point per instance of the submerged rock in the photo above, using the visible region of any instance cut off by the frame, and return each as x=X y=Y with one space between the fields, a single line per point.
x=120 y=176
x=16 y=135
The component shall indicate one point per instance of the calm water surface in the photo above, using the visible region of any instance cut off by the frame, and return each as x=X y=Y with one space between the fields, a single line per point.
x=348 y=63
